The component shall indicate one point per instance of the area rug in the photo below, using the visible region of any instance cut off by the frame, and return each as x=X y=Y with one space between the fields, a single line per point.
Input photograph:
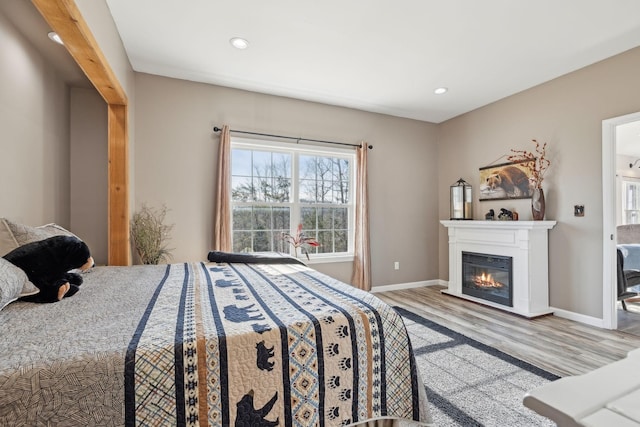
x=469 y=383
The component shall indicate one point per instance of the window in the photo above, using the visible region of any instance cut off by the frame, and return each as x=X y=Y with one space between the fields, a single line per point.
x=275 y=187
x=631 y=201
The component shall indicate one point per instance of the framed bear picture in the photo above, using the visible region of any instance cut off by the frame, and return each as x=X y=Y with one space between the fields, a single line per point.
x=506 y=181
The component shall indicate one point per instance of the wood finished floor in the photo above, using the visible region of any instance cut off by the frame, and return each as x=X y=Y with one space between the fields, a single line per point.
x=628 y=321
x=560 y=346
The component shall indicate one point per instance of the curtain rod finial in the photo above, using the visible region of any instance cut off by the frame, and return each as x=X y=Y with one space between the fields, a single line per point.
x=216 y=129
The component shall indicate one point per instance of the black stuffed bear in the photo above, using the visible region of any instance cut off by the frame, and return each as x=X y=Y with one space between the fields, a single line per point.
x=47 y=264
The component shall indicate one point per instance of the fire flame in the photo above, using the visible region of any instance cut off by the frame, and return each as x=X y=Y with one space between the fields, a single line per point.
x=486 y=281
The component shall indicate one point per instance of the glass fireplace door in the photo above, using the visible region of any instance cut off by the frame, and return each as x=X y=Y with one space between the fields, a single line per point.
x=488 y=277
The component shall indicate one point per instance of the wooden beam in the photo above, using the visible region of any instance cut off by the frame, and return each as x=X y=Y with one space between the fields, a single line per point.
x=64 y=17
x=119 y=247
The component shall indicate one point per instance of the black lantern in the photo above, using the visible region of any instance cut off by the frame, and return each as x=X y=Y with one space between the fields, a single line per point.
x=461 y=200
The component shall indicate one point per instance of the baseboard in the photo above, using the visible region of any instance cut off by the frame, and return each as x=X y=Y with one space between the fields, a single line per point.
x=592 y=321
x=409 y=285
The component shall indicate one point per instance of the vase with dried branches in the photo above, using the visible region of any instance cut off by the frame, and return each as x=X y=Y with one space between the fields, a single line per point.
x=149 y=234
x=537 y=163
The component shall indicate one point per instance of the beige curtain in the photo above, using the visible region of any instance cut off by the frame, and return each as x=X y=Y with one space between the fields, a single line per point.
x=362 y=259
x=222 y=224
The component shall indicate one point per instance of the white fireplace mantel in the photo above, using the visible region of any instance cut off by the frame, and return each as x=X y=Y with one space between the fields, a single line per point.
x=525 y=241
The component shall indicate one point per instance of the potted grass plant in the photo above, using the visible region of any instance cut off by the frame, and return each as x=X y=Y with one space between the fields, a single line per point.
x=149 y=234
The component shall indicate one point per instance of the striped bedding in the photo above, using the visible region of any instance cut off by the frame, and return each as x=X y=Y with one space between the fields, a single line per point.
x=208 y=344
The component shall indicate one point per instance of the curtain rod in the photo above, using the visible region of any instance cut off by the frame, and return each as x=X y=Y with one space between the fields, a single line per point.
x=217 y=129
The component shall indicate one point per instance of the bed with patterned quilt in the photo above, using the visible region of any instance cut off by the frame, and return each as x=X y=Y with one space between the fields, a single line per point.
x=208 y=343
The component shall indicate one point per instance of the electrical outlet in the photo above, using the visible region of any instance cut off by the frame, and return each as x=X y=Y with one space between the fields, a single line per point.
x=396 y=265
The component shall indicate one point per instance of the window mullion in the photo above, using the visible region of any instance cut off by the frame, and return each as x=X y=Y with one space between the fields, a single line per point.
x=295 y=192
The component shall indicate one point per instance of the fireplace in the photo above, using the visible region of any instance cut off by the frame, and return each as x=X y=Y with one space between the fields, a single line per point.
x=488 y=277
x=524 y=242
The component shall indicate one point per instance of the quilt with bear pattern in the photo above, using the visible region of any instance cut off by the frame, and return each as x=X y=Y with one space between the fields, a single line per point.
x=213 y=343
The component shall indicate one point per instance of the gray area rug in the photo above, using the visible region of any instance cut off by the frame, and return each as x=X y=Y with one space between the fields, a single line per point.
x=469 y=383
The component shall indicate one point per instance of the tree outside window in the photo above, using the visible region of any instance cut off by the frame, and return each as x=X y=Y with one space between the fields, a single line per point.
x=277 y=187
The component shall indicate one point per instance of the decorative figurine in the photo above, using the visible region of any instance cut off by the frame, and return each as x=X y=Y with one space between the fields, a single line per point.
x=489 y=216
x=505 y=215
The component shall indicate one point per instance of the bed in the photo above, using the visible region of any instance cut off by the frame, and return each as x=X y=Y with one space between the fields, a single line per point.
x=232 y=343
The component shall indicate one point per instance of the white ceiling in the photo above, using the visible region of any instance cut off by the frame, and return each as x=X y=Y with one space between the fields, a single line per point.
x=375 y=55
x=428 y=107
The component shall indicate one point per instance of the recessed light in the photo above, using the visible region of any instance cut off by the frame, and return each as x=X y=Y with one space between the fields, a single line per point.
x=239 y=43
x=55 y=37
x=440 y=90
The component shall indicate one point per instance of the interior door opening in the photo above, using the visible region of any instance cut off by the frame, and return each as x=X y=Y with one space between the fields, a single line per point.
x=617 y=149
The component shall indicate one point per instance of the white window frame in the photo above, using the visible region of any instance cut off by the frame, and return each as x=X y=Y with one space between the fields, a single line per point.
x=626 y=181
x=302 y=149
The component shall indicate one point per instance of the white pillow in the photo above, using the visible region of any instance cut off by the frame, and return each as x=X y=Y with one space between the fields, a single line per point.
x=12 y=282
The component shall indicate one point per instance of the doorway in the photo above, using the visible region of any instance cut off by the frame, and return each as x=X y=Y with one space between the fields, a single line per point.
x=611 y=138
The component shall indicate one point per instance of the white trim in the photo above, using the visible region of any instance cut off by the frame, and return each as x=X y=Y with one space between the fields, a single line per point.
x=409 y=285
x=267 y=145
x=609 y=297
x=326 y=259
x=577 y=317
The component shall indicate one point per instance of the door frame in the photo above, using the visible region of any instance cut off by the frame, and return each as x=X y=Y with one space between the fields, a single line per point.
x=609 y=240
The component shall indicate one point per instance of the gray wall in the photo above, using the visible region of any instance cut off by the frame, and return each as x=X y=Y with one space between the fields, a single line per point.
x=89 y=170
x=34 y=143
x=567 y=113
x=96 y=14
x=176 y=164
x=53 y=157
x=412 y=164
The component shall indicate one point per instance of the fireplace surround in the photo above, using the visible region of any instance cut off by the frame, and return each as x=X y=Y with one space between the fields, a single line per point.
x=524 y=242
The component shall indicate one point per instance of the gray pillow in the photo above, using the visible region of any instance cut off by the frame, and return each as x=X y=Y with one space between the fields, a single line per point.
x=24 y=234
x=7 y=242
x=13 y=235
x=12 y=282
